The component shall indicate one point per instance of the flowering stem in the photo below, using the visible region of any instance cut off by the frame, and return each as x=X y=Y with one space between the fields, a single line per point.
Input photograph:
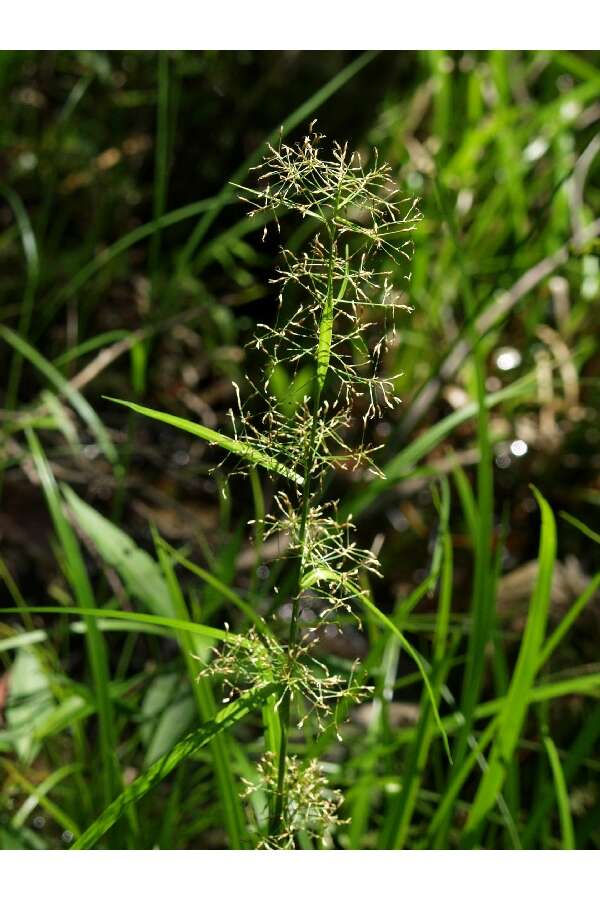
x=318 y=383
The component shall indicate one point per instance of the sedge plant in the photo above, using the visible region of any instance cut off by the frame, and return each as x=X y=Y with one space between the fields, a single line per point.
x=336 y=316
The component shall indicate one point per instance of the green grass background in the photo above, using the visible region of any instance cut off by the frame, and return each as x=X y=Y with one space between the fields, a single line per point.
x=129 y=269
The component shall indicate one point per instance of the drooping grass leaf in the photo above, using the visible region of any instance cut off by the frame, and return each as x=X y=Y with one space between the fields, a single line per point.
x=205 y=631
x=239 y=448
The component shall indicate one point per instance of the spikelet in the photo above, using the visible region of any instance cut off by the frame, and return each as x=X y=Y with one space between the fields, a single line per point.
x=336 y=317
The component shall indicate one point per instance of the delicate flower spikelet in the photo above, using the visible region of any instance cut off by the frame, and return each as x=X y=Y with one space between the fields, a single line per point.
x=261 y=660
x=309 y=805
x=335 y=319
x=336 y=316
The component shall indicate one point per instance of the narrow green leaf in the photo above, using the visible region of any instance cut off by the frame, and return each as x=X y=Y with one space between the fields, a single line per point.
x=96 y=647
x=568 y=619
x=562 y=796
x=224 y=719
x=203 y=693
x=414 y=655
x=585 y=529
x=223 y=589
x=60 y=383
x=515 y=704
x=239 y=448
x=206 y=631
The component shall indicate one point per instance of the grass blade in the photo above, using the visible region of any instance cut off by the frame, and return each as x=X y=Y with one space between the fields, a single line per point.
x=585 y=529
x=60 y=383
x=224 y=719
x=567 y=621
x=246 y=451
x=205 y=701
x=562 y=796
x=414 y=655
x=205 y=631
x=514 y=708
x=96 y=647
x=397 y=823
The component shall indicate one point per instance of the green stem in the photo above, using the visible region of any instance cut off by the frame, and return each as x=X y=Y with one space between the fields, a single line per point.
x=318 y=383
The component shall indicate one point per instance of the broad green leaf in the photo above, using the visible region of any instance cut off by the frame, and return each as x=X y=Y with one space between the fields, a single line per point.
x=30 y=699
x=141 y=574
x=168 y=709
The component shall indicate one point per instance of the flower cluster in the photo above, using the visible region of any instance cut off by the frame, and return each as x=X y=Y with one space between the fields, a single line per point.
x=335 y=318
x=309 y=804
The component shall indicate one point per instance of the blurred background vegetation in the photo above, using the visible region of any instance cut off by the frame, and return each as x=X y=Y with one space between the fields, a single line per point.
x=129 y=269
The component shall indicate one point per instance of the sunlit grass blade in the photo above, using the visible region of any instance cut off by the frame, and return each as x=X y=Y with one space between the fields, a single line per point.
x=203 y=693
x=60 y=383
x=567 y=621
x=482 y=596
x=394 y=833
x=224 y=719
x=414 y=655
x=96 y=647
x=204 y=631
x=239 y=448
x=583 y=746
x=514 y=707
